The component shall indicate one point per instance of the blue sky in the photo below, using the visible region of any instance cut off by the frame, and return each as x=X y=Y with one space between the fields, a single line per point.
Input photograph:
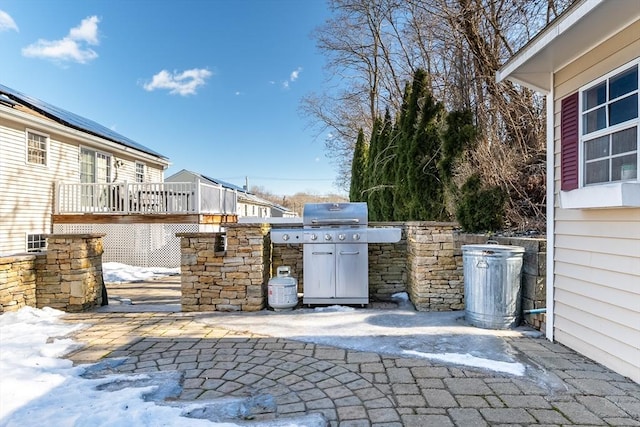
x=214 y=85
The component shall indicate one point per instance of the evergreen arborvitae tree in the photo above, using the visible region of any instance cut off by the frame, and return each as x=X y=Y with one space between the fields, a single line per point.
x=358 y=170
x=460 y=136
x=373 y=173
x=480 y=208
x=426 y=188
x=403 y=136
x=388 y=161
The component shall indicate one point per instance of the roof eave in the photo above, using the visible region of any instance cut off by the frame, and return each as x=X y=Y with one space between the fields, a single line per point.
x=580 y=28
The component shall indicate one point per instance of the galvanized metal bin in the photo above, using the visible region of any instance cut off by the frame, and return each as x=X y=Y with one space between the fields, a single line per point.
x=492 y=290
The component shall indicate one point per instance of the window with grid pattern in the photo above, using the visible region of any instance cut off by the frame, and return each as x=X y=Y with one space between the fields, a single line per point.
x=609 y=116
x=36 y=242
x=37 y=148
x=139 y=172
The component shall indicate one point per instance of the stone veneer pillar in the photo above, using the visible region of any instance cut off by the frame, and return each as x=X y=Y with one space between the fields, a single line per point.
x=18 y=281
x=435 y=273
x=69 y=278
x=234 y=278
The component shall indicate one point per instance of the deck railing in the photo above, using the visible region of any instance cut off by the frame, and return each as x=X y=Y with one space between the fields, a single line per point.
x=145 y=198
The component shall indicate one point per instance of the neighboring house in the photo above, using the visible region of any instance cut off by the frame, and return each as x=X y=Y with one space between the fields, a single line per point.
x=278 y=211
x=587 y=63
x=41 y=146
x=248 y=205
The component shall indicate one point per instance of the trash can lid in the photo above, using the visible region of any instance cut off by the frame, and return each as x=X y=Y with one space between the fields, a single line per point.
x=492 y=248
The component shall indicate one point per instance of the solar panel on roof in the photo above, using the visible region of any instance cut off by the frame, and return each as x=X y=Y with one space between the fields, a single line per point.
x=74 y=121
x=225 y=184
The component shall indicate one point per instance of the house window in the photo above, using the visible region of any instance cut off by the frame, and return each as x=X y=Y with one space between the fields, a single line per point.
x=36 y=242
x=609 y=128
x=139 y=172
x=37 y=145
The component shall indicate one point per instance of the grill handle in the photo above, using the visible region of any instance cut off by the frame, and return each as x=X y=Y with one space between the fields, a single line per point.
x=321 y=253
x=336 y=221
x=350 y=253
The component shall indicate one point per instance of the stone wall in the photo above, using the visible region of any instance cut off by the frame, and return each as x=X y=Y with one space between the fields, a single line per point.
x=69 y=278
x=434 y=267
x=18 y=281
x=387 y=265
x=426 y=263
x=233 y=279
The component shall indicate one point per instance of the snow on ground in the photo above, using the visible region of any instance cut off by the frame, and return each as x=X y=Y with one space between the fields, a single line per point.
x=39 y=385
x=41 y=388
x=115 y=272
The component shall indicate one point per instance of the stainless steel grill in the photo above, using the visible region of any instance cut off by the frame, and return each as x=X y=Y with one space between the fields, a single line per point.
x=335 y=253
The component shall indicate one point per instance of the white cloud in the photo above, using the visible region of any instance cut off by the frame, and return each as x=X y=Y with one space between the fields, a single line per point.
x=295 y=74
x=184 y=83
x=292 y=78
x=72 y=48
x=87 y=30
x=6 y=22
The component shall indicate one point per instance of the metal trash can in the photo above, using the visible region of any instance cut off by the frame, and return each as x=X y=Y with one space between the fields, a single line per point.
x=492 y=291
x=283 y=290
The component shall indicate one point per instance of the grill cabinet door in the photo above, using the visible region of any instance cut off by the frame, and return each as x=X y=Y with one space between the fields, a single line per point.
x=352 y=270
x=319 y=270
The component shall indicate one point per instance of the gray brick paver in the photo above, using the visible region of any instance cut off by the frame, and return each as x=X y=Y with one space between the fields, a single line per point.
x=426 y=420
x=351 y=412
x=473 y=386
x=383 y=415
x=320 y=403
x=601 y=406
x=439 y=398
x=400 y=375
x=548 y=416
x=411 y=400
x=518 y=401
x=577 y=413
x=595 y=387
x=472 y=401
x=383 y=402
x=507 y=415
x=467 y=417
x=400 y=389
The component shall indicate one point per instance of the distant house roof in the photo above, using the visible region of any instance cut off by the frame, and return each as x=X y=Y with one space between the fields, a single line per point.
x=72 y=120
x=215 y=181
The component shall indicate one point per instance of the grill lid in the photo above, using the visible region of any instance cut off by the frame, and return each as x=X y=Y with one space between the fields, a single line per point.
x=335 y=214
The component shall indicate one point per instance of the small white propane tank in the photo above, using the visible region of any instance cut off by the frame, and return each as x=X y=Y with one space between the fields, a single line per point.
x=283 y=290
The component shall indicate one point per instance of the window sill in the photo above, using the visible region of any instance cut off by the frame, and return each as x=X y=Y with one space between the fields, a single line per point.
x=618 y=195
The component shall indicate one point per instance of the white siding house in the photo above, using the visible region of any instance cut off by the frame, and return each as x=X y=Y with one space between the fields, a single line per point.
x=42 y=146
x=587 y=63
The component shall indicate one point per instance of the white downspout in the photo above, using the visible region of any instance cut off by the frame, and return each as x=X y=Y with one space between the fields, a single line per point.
x=550 y=210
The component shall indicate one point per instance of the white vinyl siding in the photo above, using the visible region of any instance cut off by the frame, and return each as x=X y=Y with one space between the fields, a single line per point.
x=597 y=251
x=27 y=196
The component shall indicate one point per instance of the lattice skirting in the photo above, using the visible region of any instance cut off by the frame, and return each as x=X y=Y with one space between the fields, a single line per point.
x=142 y=245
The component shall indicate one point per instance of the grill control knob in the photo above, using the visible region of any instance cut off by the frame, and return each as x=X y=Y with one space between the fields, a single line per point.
x=341 y=236
x=356 y=236
x=327 y=237
x=285 y=237
x=313 y=236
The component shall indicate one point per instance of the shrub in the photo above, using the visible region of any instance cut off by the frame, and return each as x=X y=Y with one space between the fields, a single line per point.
x=480 y=208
